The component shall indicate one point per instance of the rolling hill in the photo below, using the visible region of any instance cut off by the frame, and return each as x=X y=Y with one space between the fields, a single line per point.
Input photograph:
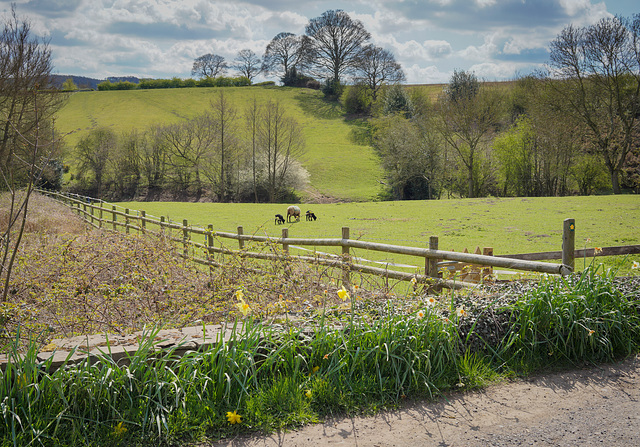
x=338 y=167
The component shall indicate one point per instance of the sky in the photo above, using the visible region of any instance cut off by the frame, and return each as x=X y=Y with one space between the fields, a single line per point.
x=495 y=39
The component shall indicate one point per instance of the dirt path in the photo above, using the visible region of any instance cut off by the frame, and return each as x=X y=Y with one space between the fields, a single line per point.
x=587 y=407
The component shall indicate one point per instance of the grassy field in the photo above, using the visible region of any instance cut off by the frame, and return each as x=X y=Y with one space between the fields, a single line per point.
x=510 y=226
x=338 y=167
x=327 y=354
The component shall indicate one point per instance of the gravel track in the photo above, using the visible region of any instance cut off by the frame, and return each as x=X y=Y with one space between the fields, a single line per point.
x=592 y=406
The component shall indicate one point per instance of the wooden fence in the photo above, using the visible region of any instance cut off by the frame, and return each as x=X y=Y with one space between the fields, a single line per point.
x=102 y=215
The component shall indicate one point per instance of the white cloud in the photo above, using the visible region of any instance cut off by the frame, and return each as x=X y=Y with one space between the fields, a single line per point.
x=493 y=70
x=431 y=37
x=437 y=49
x=426 y=75
x=484 y=52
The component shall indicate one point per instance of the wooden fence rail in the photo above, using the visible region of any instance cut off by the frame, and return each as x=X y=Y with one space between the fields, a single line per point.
x=102 y=215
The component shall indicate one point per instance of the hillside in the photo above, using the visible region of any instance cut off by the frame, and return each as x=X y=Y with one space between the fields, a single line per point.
x=337 y=166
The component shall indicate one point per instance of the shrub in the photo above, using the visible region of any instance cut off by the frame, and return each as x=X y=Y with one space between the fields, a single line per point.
x=332 y=88
x=294 y=79
x=356 y=99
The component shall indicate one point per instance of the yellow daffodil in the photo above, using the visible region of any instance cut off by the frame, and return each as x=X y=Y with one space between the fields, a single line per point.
x=315 y=369
x=308 y=394
x=119 y=429
x=343 y=294
x=243 y=307
x=233 y=417
x=239 y=295
x=597 y=250
x=635 y=265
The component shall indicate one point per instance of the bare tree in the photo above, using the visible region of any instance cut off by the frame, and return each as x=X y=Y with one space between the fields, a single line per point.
x=336 y=43
x=225 y=146
x=209 y=66
x=93 y=153
x=597 y=71
x=285 y=52
x=153 y=158
x=467 y=124
x=252 y=117
x=189 y=146
x=25 y=114
x=281 y=142
x=126 y=163
x=247 y=64
x=410 y=155
x=376 y=67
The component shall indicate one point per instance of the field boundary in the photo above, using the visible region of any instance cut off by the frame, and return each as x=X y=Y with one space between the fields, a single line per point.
x=100 y=214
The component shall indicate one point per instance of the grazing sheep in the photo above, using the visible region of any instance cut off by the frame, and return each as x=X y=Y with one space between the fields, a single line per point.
x=293 y=211
x=279 y=219
x=311 y=215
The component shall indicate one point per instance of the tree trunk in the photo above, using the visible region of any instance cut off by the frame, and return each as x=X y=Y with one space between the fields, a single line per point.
x=615 y=181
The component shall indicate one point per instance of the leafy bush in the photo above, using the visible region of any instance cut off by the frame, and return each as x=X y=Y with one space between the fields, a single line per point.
x=294 y=79
x=356 y=99
x=332 y=89
x=397 y=100
x=122 y=85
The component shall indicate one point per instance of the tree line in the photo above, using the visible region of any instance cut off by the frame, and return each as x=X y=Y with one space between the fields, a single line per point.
x=217 y=154
x=572 y=129
x=333 y=51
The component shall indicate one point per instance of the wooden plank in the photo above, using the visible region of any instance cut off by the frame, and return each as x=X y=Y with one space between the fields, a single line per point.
x=580 y=253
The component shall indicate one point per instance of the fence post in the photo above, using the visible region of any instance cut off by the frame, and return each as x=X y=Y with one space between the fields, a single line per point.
x=487 y=271
x=210 y=245
x=185 y=237
x=100 y=214
x=91 y=211
x=126 y=220
x=285 y=250
x=162 y=224
x=114 y=217
x=431 y=264
x=569 y=242
x=285 y=234
x=143 y=223
x=346 y=276
x=240 y=241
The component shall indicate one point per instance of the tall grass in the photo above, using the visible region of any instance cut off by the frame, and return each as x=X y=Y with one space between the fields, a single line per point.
x=276 y=376
x=580 y=318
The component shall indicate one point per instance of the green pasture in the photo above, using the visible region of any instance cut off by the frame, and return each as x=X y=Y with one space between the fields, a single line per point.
x=509 y=225
x=337 y=166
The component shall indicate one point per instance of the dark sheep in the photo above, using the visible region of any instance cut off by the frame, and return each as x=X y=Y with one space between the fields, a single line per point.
x=279 y=219
x=311 y=215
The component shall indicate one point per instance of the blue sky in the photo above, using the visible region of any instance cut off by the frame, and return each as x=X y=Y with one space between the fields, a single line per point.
x=496 y=39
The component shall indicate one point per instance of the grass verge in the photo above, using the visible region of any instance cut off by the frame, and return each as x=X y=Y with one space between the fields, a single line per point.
x=352 y=358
